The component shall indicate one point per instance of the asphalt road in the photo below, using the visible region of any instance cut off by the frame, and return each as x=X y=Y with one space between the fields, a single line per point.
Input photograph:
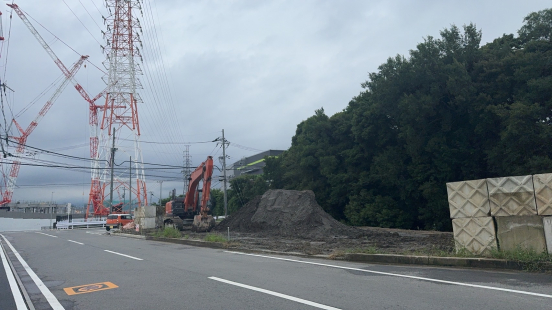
x=86 y=269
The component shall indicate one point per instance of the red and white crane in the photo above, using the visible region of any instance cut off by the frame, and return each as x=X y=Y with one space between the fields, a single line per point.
x=24 y=134
x=97 y=198
x=120 y=111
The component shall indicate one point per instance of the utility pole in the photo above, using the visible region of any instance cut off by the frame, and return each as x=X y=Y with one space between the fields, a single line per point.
x=130 y=189
x=113 y=149
x=224 y=173
x=51 y=208
x=123 y=207
x=187 y=165
x=160 y=191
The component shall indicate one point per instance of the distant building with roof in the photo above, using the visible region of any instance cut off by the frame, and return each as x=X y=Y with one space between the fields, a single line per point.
x=251 y=165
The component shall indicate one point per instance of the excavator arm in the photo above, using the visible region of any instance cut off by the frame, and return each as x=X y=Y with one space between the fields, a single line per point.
x=202 y=172
x=203 y=221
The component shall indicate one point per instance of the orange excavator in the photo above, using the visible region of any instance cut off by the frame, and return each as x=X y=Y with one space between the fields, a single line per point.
x=185 y=209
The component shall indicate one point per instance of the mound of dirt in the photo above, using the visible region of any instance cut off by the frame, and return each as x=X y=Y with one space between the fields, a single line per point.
x=287 y=213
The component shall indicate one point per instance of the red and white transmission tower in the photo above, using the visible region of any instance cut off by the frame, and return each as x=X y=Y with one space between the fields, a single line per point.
x=120 y=114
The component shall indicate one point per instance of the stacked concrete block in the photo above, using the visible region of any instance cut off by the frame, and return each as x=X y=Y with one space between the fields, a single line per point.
x=145 y=217
x=468 y=199
x=543 y=193
x=547 y=224
x=472 y=224
x=512 y=196
x=525 y=232
x=476 y=234
x=516 y=206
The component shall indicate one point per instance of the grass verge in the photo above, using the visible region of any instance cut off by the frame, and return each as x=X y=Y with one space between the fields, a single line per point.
x=529 y=259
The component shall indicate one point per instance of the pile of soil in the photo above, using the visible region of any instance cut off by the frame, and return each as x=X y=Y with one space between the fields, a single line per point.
x=288 y=214
x=292 y=221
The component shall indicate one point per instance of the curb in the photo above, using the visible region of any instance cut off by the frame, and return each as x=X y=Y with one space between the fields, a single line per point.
x=198 y=243
x=481 y=263
x=459 y=262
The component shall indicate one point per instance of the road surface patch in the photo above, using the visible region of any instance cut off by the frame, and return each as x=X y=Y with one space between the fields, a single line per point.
x=89 y=288
x=288 y=297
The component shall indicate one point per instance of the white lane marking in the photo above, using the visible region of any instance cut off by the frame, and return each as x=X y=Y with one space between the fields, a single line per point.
x=136 y=258
x=400 y=275
x=52 y=300
x=299 y=300
x=46 y=235
x=96 y=233
x=75 y=242
x=19 y=302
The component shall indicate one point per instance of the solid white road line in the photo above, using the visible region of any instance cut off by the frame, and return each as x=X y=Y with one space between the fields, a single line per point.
x=52 y=300
x=75 y=242
x=19 y=302
x=46 y=235
x=136 y=258
x=401 y=275
x=299 y=300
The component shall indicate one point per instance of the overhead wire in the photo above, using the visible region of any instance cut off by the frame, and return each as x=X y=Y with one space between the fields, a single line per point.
x=154 y=77
x=81 y=22
x=90 y=15
x=60 y=40
x=39 y=96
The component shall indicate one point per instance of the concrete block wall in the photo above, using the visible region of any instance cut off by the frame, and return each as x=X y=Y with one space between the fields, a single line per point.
x=503 y=213
x=521 y=231
x=145 y=217
x=547 y=223
x=512 y=196
x=543 y=193
x=475 y=234
x=468 y=199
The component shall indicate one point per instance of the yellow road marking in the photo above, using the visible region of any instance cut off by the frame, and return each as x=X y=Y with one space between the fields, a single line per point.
x=89 y=288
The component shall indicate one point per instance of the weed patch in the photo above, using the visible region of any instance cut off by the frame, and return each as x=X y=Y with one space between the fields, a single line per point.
x=168 y=232
x=214 y=238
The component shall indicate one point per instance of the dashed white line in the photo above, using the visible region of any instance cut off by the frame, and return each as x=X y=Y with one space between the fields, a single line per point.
x=75 y=242
x=400 y=275
x=288 y=297
x=136 y=258
x=52 y=300
x=18 y=298
x=47 y=235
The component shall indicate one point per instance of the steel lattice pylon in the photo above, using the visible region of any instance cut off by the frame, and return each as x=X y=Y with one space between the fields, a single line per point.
x=120 y=112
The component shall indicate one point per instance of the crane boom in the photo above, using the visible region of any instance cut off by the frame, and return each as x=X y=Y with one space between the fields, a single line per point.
x=22 y=139
x=96 y=197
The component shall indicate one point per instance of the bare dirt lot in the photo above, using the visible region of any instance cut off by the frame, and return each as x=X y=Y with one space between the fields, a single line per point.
x=292 y=221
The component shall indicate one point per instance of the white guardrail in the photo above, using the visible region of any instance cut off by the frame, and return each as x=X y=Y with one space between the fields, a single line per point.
x=79 y=223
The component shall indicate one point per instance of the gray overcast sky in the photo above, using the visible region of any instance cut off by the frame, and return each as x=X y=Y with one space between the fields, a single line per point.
x=254 y=68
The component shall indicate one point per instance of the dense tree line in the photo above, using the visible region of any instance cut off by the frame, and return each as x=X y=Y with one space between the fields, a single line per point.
x=452 y=110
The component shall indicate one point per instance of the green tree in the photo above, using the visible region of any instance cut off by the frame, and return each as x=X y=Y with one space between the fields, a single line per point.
x=217 y=201
x=243 y=189
x=452 y=110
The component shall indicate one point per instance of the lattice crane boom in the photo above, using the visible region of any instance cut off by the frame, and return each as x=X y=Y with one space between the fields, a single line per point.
x=24 y=134
x=93 y=108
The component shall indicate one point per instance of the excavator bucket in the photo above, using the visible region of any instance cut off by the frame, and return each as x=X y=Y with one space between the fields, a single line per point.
x=203 y=224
